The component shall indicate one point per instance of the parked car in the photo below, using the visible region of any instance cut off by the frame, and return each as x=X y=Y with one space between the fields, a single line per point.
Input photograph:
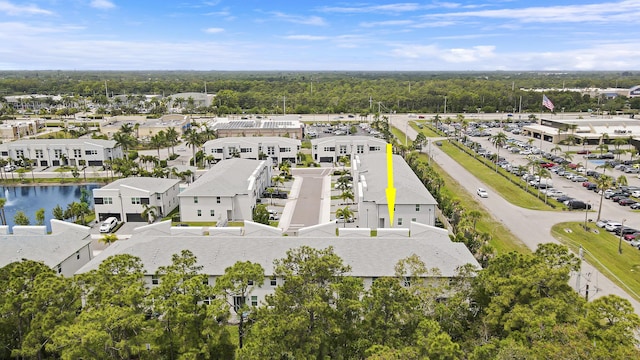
x=578 y=204
x=563 y=198
x=108 y=225
x=624 y=230
x=482 y=193
x=601 y=223
x=635 y=206
x=9 y=168
x=626 y=202
x=579 y=178
x=633 y=238
x=612 y=225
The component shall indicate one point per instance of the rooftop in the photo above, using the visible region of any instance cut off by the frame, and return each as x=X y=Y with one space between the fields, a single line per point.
x=409 y=188
x=251 y=140
x=94 y=142
x=227 y=178
x=368 y=256
x=149 y=185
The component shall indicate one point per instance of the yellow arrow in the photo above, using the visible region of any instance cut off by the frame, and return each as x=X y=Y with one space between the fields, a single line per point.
x=390 y=190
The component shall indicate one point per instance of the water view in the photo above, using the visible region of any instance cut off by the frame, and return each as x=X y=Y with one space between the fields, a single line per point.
x=31 y=198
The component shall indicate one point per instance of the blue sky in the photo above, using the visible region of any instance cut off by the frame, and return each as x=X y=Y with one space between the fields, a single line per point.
x=319 y=35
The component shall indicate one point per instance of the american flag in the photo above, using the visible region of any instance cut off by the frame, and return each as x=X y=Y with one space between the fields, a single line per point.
x=547 y=103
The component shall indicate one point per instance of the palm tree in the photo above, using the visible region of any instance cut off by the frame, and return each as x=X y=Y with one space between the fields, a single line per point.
x=3 y=217
x=603 y=183
x=347 y=195
x=556 y=149
x=285 y=169
x=277 y=179
x=345 y=213
x=474 y=216
x=617 y=143
x=158 y=140
x=125 y=141
x=172 y=137
x=149 y=212
x=108 y=239
x=499 y=140
x=193 y=139
x=622 y=181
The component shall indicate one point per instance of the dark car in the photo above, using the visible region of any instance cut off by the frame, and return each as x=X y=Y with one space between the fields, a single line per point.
x=626 y=202
x=592 y=186
x=617 y=198
x=577 y=204
x=564 y=198
x=624 y=230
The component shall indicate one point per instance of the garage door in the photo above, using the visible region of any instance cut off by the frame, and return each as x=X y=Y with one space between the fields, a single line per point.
x=102 y=216
x=326 y=159
x=133 y=217
x=95 y=162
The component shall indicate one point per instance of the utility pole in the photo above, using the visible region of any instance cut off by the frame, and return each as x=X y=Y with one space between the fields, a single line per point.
x=445 y=104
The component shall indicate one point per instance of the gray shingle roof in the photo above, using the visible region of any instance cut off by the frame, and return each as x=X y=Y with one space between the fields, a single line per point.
x=368 y=257
x=227 y=178
x=409 y=188
x=50 y=249
x=150 y=184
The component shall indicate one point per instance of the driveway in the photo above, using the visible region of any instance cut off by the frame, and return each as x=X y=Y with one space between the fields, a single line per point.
x=532 y=227
x=309 y=209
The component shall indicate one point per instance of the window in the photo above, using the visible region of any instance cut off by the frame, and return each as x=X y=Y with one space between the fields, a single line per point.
x=208 y=300
x=5 y=153
x=217 y=151
x=374 y=148
x=91 y=152
x=199 y=212
x=329 y=148
x=135 y=200
x=78 y=255
x=155 y=280
x=413 y=219
x=238 y=301
x=250 y=282
x=59 y=270
x=407 y=281
x=343 y=149
x=218 y=199
x=39 y=154
x=158 y=197
x=271 y=150
x=20 y=153
x=107 y=201
x=195 y=199
x=206 y=280
x=246 y=150
x=98 y=201
x=212 y=213
x=144 y=200
x=285 y=149
x=417 y=207
x=273 y=281
x=399 y=221
x=360 y=149
x=57 y=153
x=254 y=300
x=77 y=153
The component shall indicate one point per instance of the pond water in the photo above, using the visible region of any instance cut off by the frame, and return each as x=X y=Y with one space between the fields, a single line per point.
x=31 y=198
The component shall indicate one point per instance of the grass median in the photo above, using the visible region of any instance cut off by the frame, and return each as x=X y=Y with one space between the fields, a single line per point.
x=507 y=189
x=425 y=129
x=501 y=238
x=601 y=251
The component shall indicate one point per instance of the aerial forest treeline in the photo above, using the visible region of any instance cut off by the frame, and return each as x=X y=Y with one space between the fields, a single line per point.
x=519 y=307
x=339 y=92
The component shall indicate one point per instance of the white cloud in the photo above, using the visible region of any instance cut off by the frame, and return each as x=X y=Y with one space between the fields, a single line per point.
x=603 y=12
x=14 y=10
x=213 y=30
x=387 y=8
x=306 y=37
x=386 y=23
x=451 y=56
x=102 y=4
x=297 y=19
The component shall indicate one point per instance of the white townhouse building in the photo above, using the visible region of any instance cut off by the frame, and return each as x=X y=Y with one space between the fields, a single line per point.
x=330 y=149
x=125 y=198
x=413 y=200
x=60 y=152
x=278 y=149
x=65 y=250
x=228 y=191
x=368 y=257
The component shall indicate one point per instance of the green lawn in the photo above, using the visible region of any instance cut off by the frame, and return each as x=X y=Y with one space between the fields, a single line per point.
x=502 y=239
x=426 y=130
x=507 y=189
x=400 y=136
x=601 y=250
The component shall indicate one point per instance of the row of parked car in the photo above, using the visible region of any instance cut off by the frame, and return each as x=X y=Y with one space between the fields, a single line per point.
x=627 y=233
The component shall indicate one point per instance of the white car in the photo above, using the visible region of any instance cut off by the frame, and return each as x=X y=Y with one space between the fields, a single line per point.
x=108 y=225
x=612 y=225
x=482 y=193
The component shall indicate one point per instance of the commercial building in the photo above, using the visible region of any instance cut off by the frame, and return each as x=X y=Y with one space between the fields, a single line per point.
x=279 y=127
x=65 y=250
x=413 y=201
x=278 y=149
x=61 y=152
x=13 y=130
x=368 y=257
x=588 y=130
x=125 y=199
x=145 y=128
x=330 y=149
x=228 y=191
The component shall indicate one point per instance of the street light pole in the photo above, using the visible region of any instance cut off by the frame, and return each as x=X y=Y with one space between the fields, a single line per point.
x=585 y=215
x=620 y=240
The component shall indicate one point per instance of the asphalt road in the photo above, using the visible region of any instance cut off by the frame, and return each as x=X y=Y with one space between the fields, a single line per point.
x=308 y=209
x=532 y=227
